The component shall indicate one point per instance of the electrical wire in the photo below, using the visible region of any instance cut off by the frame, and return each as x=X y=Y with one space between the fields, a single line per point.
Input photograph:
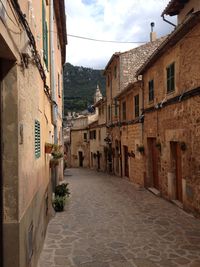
x=105 y=41
x=8 y=14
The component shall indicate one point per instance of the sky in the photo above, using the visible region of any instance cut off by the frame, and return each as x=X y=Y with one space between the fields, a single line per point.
x=115 y=20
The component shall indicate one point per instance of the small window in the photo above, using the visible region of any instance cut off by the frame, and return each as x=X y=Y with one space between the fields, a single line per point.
x=115 y=72
x=151 y=90
x=93 y=134
x=85 y=136
x=171 y=78
x=124 y=110
x=137 y=108
x=116 y=111
x=99 y=135
x=109 y=113
x=37 y=139
x=108 y=80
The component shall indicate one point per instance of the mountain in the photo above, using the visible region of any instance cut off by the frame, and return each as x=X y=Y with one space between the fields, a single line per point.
x=80 y=84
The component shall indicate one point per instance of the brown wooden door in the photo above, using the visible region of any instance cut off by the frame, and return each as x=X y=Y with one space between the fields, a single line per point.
x=179 y=193
x=126 y=168
x=177 y=168
x=80 y=153
x=154 y=158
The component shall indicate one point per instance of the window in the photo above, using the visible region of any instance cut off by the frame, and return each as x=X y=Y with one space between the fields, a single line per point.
x=85 y=136
x=108 y=80
x=115 y=107
x=115 y=72
x=137 y=108
x=58 y=84
x=37 y=139
x=45 y=34
x=151 y=90
x=109 y=113
x=124 y=110
x=171 y=78
x=92 y=134
x=99 y=135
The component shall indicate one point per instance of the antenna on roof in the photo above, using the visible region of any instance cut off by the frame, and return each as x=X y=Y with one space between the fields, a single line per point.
x=152 y=33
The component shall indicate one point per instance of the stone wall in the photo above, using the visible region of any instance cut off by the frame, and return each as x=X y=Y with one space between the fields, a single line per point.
x=176 y=123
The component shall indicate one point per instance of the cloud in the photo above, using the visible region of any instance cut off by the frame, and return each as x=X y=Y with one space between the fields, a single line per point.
x=127 y=20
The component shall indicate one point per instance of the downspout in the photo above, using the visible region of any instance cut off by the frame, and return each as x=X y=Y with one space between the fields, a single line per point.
x=169 y=22
x=52 y=71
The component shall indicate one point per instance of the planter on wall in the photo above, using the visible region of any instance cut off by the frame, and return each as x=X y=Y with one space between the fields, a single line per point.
x=48 y=148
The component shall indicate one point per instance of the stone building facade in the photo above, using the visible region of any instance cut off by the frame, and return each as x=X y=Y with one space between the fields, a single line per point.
x=98 y=152
x=171 y=111
x=120 y=72
x=88 y=132
x=27 y=100
x=79 y=143
x=131 y=133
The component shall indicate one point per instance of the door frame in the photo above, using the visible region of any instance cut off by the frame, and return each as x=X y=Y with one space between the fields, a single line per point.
x=153 y=163
x=80 y=157
x=1 y=183
x=176 y=161
x=126 y=162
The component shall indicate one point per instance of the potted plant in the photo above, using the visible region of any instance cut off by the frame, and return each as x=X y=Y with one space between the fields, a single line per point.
x=48 y=148
x=183 y=146
x=62 y=190
x=53 y=162
x=158 y=145
x=140 y=149
x=57 y=155
x=59 y=203
x=61 y=194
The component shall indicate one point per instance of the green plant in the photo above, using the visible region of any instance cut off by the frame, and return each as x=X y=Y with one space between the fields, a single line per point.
x=57 y=148
x=53 y=162
x=140 y=149
x=183 y=146
x=62 y=190
x=57 y=155
x=158 y=145
x=59 y=203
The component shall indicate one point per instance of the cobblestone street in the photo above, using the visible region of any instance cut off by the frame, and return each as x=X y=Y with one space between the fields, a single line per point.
x=108 y=222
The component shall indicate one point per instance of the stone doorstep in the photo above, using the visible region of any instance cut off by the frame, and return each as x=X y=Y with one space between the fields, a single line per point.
x=177 y=203
x=154 y=191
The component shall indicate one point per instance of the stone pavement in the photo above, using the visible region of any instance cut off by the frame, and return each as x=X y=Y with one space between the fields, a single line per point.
x=108 y=222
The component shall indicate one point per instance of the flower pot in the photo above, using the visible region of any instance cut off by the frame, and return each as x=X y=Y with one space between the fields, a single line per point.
x=48 y=148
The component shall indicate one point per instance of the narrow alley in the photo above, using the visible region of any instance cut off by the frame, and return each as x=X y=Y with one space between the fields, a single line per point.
x=108 y=222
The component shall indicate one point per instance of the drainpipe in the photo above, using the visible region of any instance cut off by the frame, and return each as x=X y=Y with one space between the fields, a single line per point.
x=169 y=22
x=52 y=71
x=53 y=88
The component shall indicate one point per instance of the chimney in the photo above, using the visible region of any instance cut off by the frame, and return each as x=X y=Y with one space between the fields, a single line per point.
x=153 y=36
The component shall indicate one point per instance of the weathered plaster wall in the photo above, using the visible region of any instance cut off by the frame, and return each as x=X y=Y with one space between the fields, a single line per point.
x=79 y=144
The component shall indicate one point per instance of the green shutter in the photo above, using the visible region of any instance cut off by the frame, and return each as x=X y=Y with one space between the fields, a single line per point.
x=45 y=34
x=37 y=139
